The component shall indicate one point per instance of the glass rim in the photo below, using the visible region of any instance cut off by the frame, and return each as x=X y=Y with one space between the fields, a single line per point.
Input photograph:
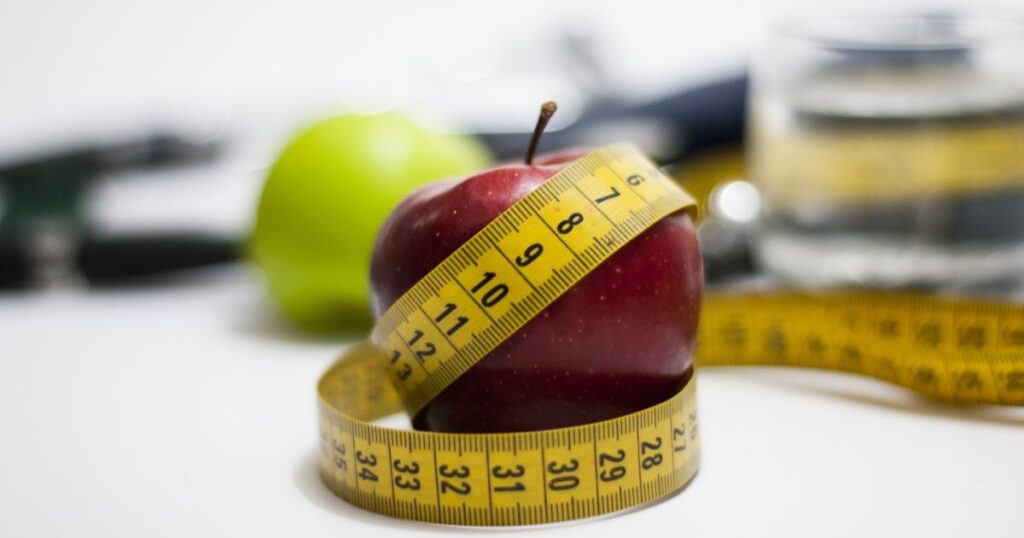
x=854 y=33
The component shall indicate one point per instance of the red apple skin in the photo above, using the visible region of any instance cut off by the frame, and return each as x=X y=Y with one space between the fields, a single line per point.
x=618 y=341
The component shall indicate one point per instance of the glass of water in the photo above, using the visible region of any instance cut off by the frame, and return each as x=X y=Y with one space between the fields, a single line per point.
x=890 y=152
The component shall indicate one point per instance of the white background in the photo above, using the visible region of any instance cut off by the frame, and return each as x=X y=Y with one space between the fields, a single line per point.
x=185 y=410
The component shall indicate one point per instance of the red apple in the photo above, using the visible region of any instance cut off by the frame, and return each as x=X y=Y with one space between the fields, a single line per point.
x=618 y=341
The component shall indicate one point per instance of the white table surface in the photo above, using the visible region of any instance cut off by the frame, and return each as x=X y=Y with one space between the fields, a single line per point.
x=185 y=410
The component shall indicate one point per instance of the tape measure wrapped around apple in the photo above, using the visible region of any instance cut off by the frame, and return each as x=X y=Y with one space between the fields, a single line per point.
x=529 y=298
x=556 y=302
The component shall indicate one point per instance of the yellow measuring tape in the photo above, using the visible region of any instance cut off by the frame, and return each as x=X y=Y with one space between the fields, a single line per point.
x=843 y=166
x=965 y=351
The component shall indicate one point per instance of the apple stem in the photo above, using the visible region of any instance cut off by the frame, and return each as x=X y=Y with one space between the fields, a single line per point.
x=546 y=111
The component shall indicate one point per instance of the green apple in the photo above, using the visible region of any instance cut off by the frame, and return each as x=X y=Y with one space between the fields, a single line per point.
x=326 y=197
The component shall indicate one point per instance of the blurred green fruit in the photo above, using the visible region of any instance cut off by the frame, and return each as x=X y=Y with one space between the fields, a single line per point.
x=326 y=197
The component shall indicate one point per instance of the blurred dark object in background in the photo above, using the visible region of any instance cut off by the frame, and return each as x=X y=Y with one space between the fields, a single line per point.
x=47 y=239
x=669 y=129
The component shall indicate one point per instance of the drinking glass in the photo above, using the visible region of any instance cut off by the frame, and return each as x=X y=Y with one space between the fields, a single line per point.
x=890 y=152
